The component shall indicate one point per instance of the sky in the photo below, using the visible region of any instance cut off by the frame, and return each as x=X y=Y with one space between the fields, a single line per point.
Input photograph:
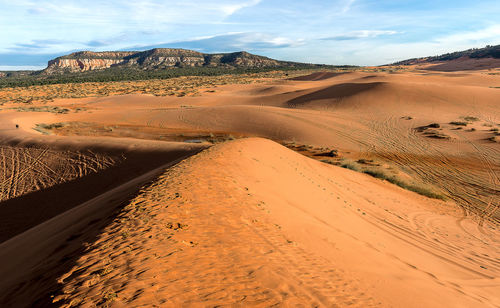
x=356 y=32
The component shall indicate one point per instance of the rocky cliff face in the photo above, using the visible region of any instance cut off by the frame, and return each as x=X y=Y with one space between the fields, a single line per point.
x=156 y=59
x=80 y=65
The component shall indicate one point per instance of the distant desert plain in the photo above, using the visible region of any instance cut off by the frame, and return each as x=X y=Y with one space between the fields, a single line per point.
x=363 y=187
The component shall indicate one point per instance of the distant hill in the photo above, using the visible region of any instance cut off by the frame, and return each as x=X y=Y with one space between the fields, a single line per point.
x=159 y=58
x=159 y=63
x=484 y=54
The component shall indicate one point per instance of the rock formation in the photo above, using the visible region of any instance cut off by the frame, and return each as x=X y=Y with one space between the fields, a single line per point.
x=156 y=59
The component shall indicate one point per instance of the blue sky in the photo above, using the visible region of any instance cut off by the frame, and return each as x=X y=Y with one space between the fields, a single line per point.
x=360 y=32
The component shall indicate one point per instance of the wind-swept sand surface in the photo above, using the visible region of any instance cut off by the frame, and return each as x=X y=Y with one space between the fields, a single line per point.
x=462 y=64
x=44 y=176
x=250 y=222
x=373 y=116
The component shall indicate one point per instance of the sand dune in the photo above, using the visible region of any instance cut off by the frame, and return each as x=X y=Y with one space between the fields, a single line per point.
x=463 y=64
x=250 y=222
x=316 y=76
x=44 y=176
x=364 y=115
x=340 y=91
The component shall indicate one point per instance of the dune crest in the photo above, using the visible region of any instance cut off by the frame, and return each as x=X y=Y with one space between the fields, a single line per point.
x=250 y=222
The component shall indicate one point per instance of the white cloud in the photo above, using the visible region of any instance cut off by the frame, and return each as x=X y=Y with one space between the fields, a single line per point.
x=233 y=41
x=360 y=34
x=21 y=68
x=347 y=6
x=490 y=34
x=230 y=9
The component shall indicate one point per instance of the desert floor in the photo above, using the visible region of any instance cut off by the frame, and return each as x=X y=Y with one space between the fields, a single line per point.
x=234 y=194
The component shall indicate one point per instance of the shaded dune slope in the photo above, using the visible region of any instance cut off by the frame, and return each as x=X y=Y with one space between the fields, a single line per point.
x=316 y=76
x=464 y=64
x=250 y=222
x=366 y=113
x=335 y=92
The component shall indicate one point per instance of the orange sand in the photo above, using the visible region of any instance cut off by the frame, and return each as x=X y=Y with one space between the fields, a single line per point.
x=249 y=222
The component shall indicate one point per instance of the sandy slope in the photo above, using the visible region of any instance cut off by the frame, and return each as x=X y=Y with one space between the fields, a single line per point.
x=250 y=222
x=44 y=176
x=462 y=64
x=369 y=115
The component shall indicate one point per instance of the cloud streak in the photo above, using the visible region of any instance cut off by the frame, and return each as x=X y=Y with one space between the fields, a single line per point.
x=230 y=9
x=230 y=42
x=361 y=34
x=347 y=6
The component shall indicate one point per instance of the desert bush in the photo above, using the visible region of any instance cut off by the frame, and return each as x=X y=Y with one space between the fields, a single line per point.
x=45 y=128
x=470 y=119
x=330 y=162
x=349 y=165
x=417 y=189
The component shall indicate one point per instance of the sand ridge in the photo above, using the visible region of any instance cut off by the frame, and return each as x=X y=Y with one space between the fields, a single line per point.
x=371 y=115
x=250 y=222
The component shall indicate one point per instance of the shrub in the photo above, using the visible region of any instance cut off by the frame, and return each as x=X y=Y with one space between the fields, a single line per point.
x=417 y=189
x=470 y=119
x=349 y=165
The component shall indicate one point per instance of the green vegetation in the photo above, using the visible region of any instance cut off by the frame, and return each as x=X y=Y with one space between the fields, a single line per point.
x=129 y=74
x=51 y=109
x=459 y=123
x=45 y=128
x=470 y=119
x=379 y=174
x=418 y=189
x=350 y=165
x=488 y=51
x=109 y=297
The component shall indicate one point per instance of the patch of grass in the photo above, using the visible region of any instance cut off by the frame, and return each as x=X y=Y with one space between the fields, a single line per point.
x=418 y=189
x=365 y=161
x=432 y=133
x=331 y=162
x=377 y=174
x=350 y=165
x=459 y=123
x=470 y=119
x=109 y=297
x=45 y=128
x=51 y=109
x=426 y=127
